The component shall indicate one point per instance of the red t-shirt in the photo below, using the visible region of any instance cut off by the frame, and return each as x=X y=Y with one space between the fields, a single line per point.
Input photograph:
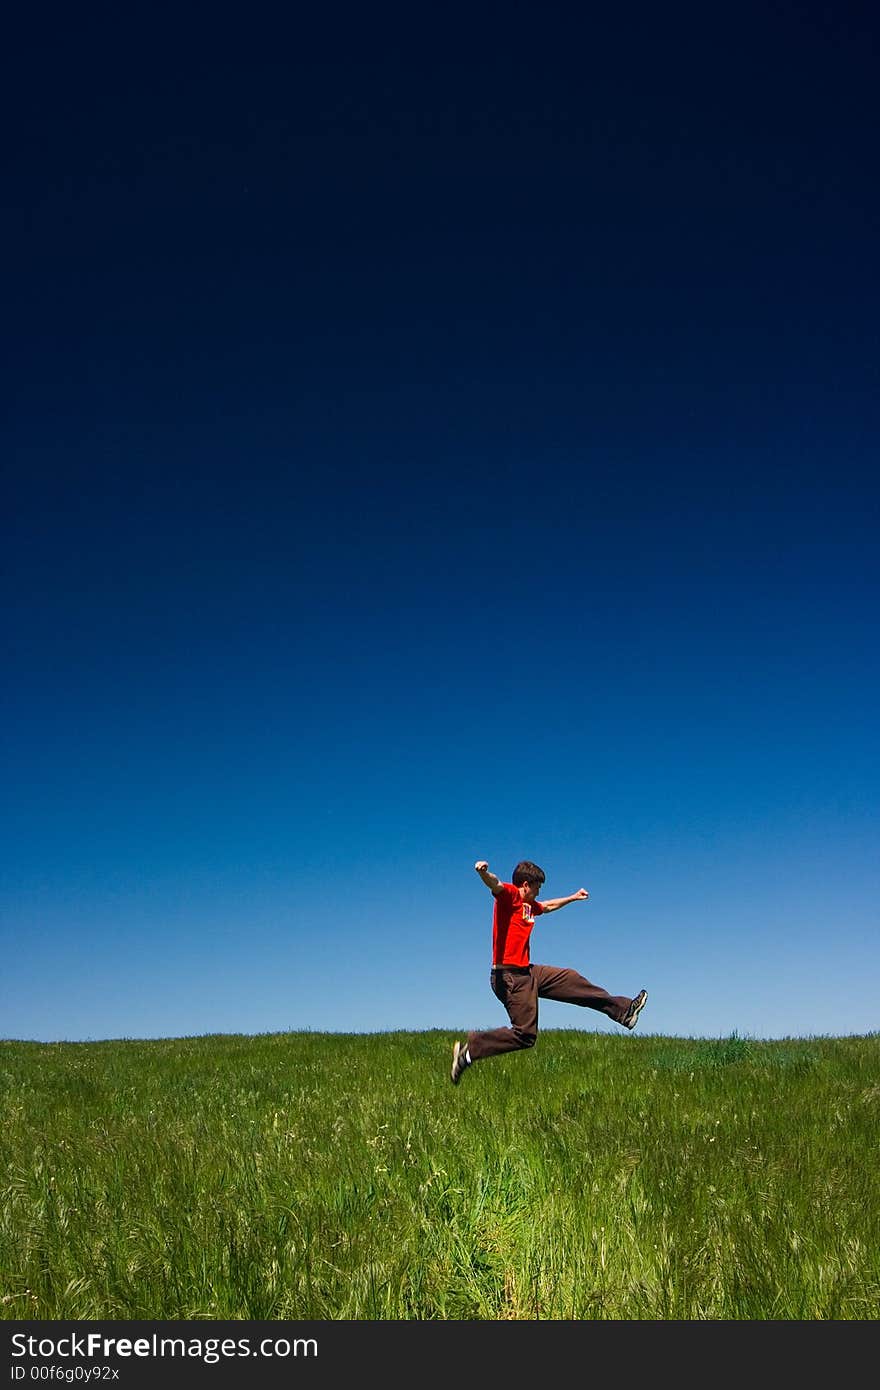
x=512 y=926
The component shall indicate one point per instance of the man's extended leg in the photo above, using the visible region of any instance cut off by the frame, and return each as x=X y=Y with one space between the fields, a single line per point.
x=569 y=987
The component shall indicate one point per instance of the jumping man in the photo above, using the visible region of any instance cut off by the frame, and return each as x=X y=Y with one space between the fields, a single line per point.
x=519 y=984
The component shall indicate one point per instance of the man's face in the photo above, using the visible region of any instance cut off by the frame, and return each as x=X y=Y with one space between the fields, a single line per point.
x=530 y=891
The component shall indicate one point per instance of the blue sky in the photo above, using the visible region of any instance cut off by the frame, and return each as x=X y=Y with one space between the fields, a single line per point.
x=426 y=452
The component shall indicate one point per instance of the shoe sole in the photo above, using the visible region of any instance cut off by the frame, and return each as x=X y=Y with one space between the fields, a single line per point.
x=631 y=1023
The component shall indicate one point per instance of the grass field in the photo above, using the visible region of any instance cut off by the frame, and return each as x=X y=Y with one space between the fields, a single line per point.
x=341 y=1176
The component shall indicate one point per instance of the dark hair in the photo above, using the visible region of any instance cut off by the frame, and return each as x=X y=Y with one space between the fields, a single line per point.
x=527 y=872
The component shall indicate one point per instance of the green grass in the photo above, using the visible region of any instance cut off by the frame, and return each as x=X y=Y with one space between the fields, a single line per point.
x=341 y=1176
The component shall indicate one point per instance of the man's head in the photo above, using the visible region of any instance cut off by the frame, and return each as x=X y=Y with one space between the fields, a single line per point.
x=529 y=877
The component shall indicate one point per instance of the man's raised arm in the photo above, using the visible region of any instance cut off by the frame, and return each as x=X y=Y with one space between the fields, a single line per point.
x=554 y=904
x=492 y=881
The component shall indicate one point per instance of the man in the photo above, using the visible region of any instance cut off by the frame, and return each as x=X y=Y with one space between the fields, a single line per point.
x=519 y=984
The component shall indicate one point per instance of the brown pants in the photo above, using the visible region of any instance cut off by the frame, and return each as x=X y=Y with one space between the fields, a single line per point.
x=519 y=991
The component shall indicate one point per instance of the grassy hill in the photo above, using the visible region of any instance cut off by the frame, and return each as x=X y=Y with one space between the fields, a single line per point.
x=341 y=1176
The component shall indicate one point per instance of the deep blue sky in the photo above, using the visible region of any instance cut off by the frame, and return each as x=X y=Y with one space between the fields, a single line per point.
x=432 y=436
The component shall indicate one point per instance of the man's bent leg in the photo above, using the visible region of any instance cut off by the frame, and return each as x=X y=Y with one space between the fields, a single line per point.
x=518 y=993
x=569 y=987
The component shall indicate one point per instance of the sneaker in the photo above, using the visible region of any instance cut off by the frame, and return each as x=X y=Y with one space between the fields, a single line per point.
x=459 y=1062
x=631 y=1017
